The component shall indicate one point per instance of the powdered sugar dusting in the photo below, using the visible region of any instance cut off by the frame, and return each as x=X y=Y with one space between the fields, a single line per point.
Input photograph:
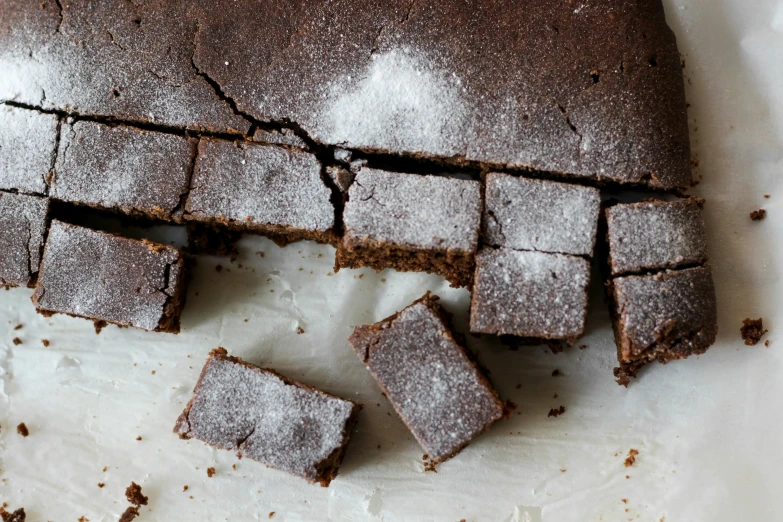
x=120 y=167
x=401 y=102
x=429 y=379
x=428 y=212
x=655 y=235
x=257 y=184
x=528 y=214
x=100 y=276
x=529 y=294
x=27 y=143
x=284 y=426
x=22 y=225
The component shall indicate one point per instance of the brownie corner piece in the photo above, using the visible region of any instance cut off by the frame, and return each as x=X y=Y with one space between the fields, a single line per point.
x=105 y=277
x=665 y=316
x=655 y=235
x=411 y=222
x=266 y=417
x=430 y=378
x=28 y=141
x=532 y=295
x=23 y=221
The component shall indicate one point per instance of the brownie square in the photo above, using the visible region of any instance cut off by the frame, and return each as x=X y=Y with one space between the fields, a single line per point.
x=28 y=140
x=22 y=228
x=665 y=316
x=426 y=373
x=654 y=235
x=533 y=295
x=104 y=277
x=534 y=214
x=120 y=168
x=411 y=222
x=264 y=189
x=269 y=418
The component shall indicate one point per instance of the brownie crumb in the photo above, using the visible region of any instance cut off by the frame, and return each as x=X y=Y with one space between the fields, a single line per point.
x=429 y=464
x=83 y=519
x=17 y=341
x=631 y=459
x=299 y=330
x=210 y=472
x=17 y=516
x=752 y=331
x=185 y=488
x=134 y=495
x=766 y=196
x=556 y=412
x=234 y=467
x=105 y=468
x=100 y=325
x=129 y=514
x=18 y=326
x=271 y=514
x=101 y=484
x=555 y=373
x=758 y=215
x=22 y=430
x=45 y=342
x=582 y=346
x=766 y=343
x=218 y=268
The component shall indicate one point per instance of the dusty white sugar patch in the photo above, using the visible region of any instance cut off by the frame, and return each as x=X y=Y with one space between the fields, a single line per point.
x=433 y=385
x=27 y=146
x=100 y=276
x=402 y=101
x=428 y=212
x=531 y=214
x=254 y=411
x=529 y=294
x=259 y=184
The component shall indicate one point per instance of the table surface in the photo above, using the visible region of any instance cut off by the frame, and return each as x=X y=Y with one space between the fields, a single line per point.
x=100 y=409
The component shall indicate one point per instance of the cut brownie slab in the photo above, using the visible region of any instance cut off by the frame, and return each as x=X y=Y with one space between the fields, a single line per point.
x=411 y=222
x=532 y=214
x=426 y=373
x=533 y=295
x=28 y=141
x=22 y=228
x=665 y=316
x=655 y=235
x=121 y=168
x=269 y=418
x=265 y=189
x=100 y=276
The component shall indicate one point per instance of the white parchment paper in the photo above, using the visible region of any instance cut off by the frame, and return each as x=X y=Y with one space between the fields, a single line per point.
x=708 y=430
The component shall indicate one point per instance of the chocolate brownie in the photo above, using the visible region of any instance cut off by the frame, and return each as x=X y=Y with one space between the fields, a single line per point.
x=100 y=276
x=666 y=316
x=128 y=60
x=424 y=370
x=533 y=295
x=654 y=235
x=269 y=418
x=284 y=137
x=264 y=189
x=22 y=227
x=122 y=168
x=28 y=142
x=553 y=86
x=411 y=222
x=532 y=214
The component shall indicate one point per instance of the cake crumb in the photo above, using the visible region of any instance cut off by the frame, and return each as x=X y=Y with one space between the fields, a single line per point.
x=429 y=465
x=752 y=330
x=210 y=472
x=100 y=325
x=138 y=438
x=22 y=430
x=556 y=412
x=105 y=468
x=18 y=326
x=234 y=467
x=518 y=386
x=562 y=470
x=766 y=196
x=134 y=495
x=45 y=342
x=758 y=215
x=83 y=519
x=766 y=343
x=631 y=459
x=582 y=346
x=185 y=488
x=131 y=513
x=218 y=268
x=101 y=484
x=299 y=330
x=17 y=341
x=271 y=514
x=17 y=516
x=555 y=372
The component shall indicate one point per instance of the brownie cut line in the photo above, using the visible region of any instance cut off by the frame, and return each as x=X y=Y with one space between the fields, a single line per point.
x=23 y=221
x=104 y=277
x=533 y=295
x=121 y=168
x=411 y=222
x=655 y=235
x=429 y=377
x=264 y=189
x=268 y=418
x=665 y=316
